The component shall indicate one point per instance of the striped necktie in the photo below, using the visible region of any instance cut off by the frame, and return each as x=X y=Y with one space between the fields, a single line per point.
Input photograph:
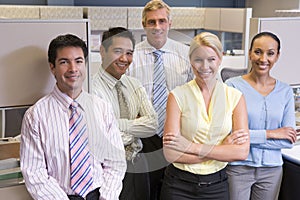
x=160 y=92
x=81 y=175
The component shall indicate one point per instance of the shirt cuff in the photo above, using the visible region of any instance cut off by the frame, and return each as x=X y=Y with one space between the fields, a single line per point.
x=123 y=125
x=258 y=136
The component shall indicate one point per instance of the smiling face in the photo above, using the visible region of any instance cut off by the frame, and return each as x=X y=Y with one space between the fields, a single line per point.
x=205 y=62
x=264 y=54
x=156 y=26
x=69 y=70
x=117 y=57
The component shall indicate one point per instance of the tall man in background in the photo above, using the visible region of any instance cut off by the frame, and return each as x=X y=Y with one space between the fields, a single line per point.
x=161 y=64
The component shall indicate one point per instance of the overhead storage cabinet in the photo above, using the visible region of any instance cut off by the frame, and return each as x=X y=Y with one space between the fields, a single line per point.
x=19 y=12
x=61 y=12
x=102 y=18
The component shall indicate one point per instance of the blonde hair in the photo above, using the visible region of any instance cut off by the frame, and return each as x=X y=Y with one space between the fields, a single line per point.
x=207 y=39
x=152 y=6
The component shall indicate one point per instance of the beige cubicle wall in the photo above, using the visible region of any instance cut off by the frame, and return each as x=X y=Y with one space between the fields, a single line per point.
x=212 y=18
x=233 y=20
x=24 y=70
x=60 y=12
x=19 y=12
x=188 y=18
x=15 y=192
x=40 y=12
x=102 y=18
x=287 y=13
x=134 y=18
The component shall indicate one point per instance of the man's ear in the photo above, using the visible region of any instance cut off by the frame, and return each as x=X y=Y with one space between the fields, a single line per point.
x=170 y=24
x=102 y=51
x=52 y=68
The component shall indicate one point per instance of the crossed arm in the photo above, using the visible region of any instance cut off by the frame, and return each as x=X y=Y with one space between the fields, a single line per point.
x=179 y=149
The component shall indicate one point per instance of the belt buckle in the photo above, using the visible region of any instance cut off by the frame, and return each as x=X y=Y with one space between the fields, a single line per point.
x=202 y=184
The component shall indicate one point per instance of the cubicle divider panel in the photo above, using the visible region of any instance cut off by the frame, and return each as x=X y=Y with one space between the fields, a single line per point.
x=24 y=70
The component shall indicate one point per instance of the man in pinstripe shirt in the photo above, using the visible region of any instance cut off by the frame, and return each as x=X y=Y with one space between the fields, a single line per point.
x=45 y=153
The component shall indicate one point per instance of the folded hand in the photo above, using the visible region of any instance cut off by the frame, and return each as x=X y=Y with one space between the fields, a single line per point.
x=177 y=142
x=236 y=137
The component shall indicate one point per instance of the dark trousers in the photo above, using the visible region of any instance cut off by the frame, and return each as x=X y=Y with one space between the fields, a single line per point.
x=183 y=185
x=136 y=181
x=152 y=147
x=93 y=195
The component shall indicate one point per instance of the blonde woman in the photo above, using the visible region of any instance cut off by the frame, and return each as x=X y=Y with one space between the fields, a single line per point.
x=201 y=114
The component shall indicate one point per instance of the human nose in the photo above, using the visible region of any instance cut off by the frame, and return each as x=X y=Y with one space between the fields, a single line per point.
x=73 y=66
x=157 y=25
x=205 y=64
x=123 y=57
x=263 y=57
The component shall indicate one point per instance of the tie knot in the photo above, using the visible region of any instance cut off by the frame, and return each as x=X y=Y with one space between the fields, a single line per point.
x=157 y=53
x=118 y=84
x=73 y=106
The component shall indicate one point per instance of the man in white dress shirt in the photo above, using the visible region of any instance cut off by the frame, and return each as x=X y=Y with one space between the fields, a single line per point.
x=156 y=21
x=45 y=146
x=139 y=119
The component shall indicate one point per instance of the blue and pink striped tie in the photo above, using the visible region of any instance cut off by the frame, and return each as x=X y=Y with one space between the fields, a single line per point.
x=81 y=174
x=160 y=92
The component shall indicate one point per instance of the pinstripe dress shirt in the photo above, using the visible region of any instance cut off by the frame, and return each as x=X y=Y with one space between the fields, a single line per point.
x=45 y=160
x=142 y=121
x=178 y=69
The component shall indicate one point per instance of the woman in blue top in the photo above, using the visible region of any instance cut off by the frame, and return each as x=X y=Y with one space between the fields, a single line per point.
x=271 y=118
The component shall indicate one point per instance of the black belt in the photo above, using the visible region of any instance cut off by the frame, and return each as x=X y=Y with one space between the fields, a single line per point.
x=201 y=180
x=93 y=195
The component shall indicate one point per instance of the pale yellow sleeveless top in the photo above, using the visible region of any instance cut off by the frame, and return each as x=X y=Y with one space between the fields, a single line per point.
x=200 y=127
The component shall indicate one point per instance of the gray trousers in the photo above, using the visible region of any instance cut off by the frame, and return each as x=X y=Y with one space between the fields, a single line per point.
x=254 y=183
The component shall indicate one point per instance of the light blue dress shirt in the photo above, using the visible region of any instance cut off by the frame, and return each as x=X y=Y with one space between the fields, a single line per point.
x=273 y=111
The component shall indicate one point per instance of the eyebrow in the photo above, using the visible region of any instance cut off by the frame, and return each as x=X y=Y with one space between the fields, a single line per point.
x=78 y=58
x=258 y=48
x=118 y=48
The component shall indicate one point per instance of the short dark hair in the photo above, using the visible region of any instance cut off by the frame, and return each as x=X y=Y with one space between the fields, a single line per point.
x=62 y=41
x=266 y=33
x=116 y=32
